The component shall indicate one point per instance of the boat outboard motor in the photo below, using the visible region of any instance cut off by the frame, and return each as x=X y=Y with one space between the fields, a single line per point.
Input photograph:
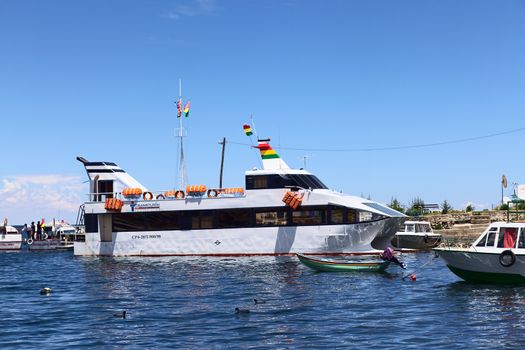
x=388 y=255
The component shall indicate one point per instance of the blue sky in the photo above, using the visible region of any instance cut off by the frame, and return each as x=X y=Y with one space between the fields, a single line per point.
x=99 y=78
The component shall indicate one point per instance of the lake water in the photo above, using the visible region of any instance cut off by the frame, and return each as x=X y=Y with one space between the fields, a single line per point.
x=175 y=302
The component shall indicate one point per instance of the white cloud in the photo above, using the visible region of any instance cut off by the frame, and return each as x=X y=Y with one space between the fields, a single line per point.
x=25 y=198
x=191 y=9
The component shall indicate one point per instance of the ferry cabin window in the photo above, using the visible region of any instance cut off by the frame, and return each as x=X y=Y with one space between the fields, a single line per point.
x=337 y=216
x=254 y=182
x=260 y=182
x=410 y=228
x=271 y=218
x=308 y=217
x=351 y=216
x=163 y=221
x=340 y=215
x=204 y=219
x=234 y=218
x=159 y=221
x=365 y=216
x=129 y=222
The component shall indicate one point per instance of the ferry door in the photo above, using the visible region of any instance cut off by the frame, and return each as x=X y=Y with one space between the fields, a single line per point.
x=104 y=189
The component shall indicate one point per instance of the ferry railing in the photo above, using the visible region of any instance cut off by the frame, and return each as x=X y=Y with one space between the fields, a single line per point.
x=161 y=195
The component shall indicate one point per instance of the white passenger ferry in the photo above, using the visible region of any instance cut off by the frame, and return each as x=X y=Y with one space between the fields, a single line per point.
x=280 y=211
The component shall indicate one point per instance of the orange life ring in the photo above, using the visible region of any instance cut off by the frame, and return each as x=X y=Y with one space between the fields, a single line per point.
x=179 y=195
x=147 y=196
x=212 y=193
x=160 y=196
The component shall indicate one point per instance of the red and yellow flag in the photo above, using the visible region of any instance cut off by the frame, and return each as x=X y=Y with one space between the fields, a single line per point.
x=247 y=129
x=187 y=109
x=179 y=107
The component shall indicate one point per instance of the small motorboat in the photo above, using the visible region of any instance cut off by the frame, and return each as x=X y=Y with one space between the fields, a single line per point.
x=416 y=235
x=497 y=256
x=10 y=238
x=324 y=264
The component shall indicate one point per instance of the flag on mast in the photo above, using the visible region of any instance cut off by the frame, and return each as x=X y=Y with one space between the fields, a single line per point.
x=179 y=107
x=247 y=129
x=187 y=109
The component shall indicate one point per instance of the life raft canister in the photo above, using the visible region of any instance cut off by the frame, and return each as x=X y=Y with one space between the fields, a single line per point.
x=196 y=190
x=293 y=200
x=132 y=192
x=113 y=204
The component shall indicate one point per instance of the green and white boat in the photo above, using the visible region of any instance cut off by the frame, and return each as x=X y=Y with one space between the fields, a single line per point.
x=497 y=256
x=361 y=265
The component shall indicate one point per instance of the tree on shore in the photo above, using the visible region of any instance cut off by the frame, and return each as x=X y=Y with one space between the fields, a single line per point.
x=416 y=207
x=469 y=208
x=396 y=205
x=445 y=207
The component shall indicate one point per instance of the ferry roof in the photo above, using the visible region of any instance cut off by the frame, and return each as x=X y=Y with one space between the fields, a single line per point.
x=507 y=224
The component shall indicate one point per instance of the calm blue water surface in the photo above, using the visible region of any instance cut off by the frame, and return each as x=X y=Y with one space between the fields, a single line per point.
x=176 y=302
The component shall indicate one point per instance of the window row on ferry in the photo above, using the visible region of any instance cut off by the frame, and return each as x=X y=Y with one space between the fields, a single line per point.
x=231 y=218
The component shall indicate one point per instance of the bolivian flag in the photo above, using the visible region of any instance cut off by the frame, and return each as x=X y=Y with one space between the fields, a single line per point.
x=247 y=130
x=179 y=107
x=187 y=109
x=267 y=152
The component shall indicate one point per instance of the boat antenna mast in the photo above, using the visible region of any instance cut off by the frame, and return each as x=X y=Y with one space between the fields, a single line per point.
x=254 y=133
x=182 y=175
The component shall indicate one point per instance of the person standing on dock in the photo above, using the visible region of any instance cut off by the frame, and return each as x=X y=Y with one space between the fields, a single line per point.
x=38 y=231
x=32 y=231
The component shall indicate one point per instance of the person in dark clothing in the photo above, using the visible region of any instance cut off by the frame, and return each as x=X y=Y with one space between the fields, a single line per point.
x=32 y=231
x=38 y=231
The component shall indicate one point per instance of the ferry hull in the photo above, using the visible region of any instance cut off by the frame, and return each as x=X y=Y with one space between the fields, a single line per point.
x=483 y=266
x=326 y=239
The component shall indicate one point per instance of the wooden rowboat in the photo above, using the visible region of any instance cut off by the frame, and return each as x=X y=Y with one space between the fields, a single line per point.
x=346 y=265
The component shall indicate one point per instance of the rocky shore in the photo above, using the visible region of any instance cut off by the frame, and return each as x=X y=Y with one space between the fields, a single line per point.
x=462 y=227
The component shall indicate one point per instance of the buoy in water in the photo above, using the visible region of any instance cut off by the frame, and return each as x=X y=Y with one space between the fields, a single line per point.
x=120 y=314
x=242 y=310
x=412 y=277
x=45 y=291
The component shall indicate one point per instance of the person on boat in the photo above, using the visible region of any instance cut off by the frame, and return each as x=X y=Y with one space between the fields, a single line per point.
x=388 y=255
x=25 y=233
x=32 y=230
x=38 y=231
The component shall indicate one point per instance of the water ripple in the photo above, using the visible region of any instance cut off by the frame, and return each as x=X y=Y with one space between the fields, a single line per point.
x=189 y=302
